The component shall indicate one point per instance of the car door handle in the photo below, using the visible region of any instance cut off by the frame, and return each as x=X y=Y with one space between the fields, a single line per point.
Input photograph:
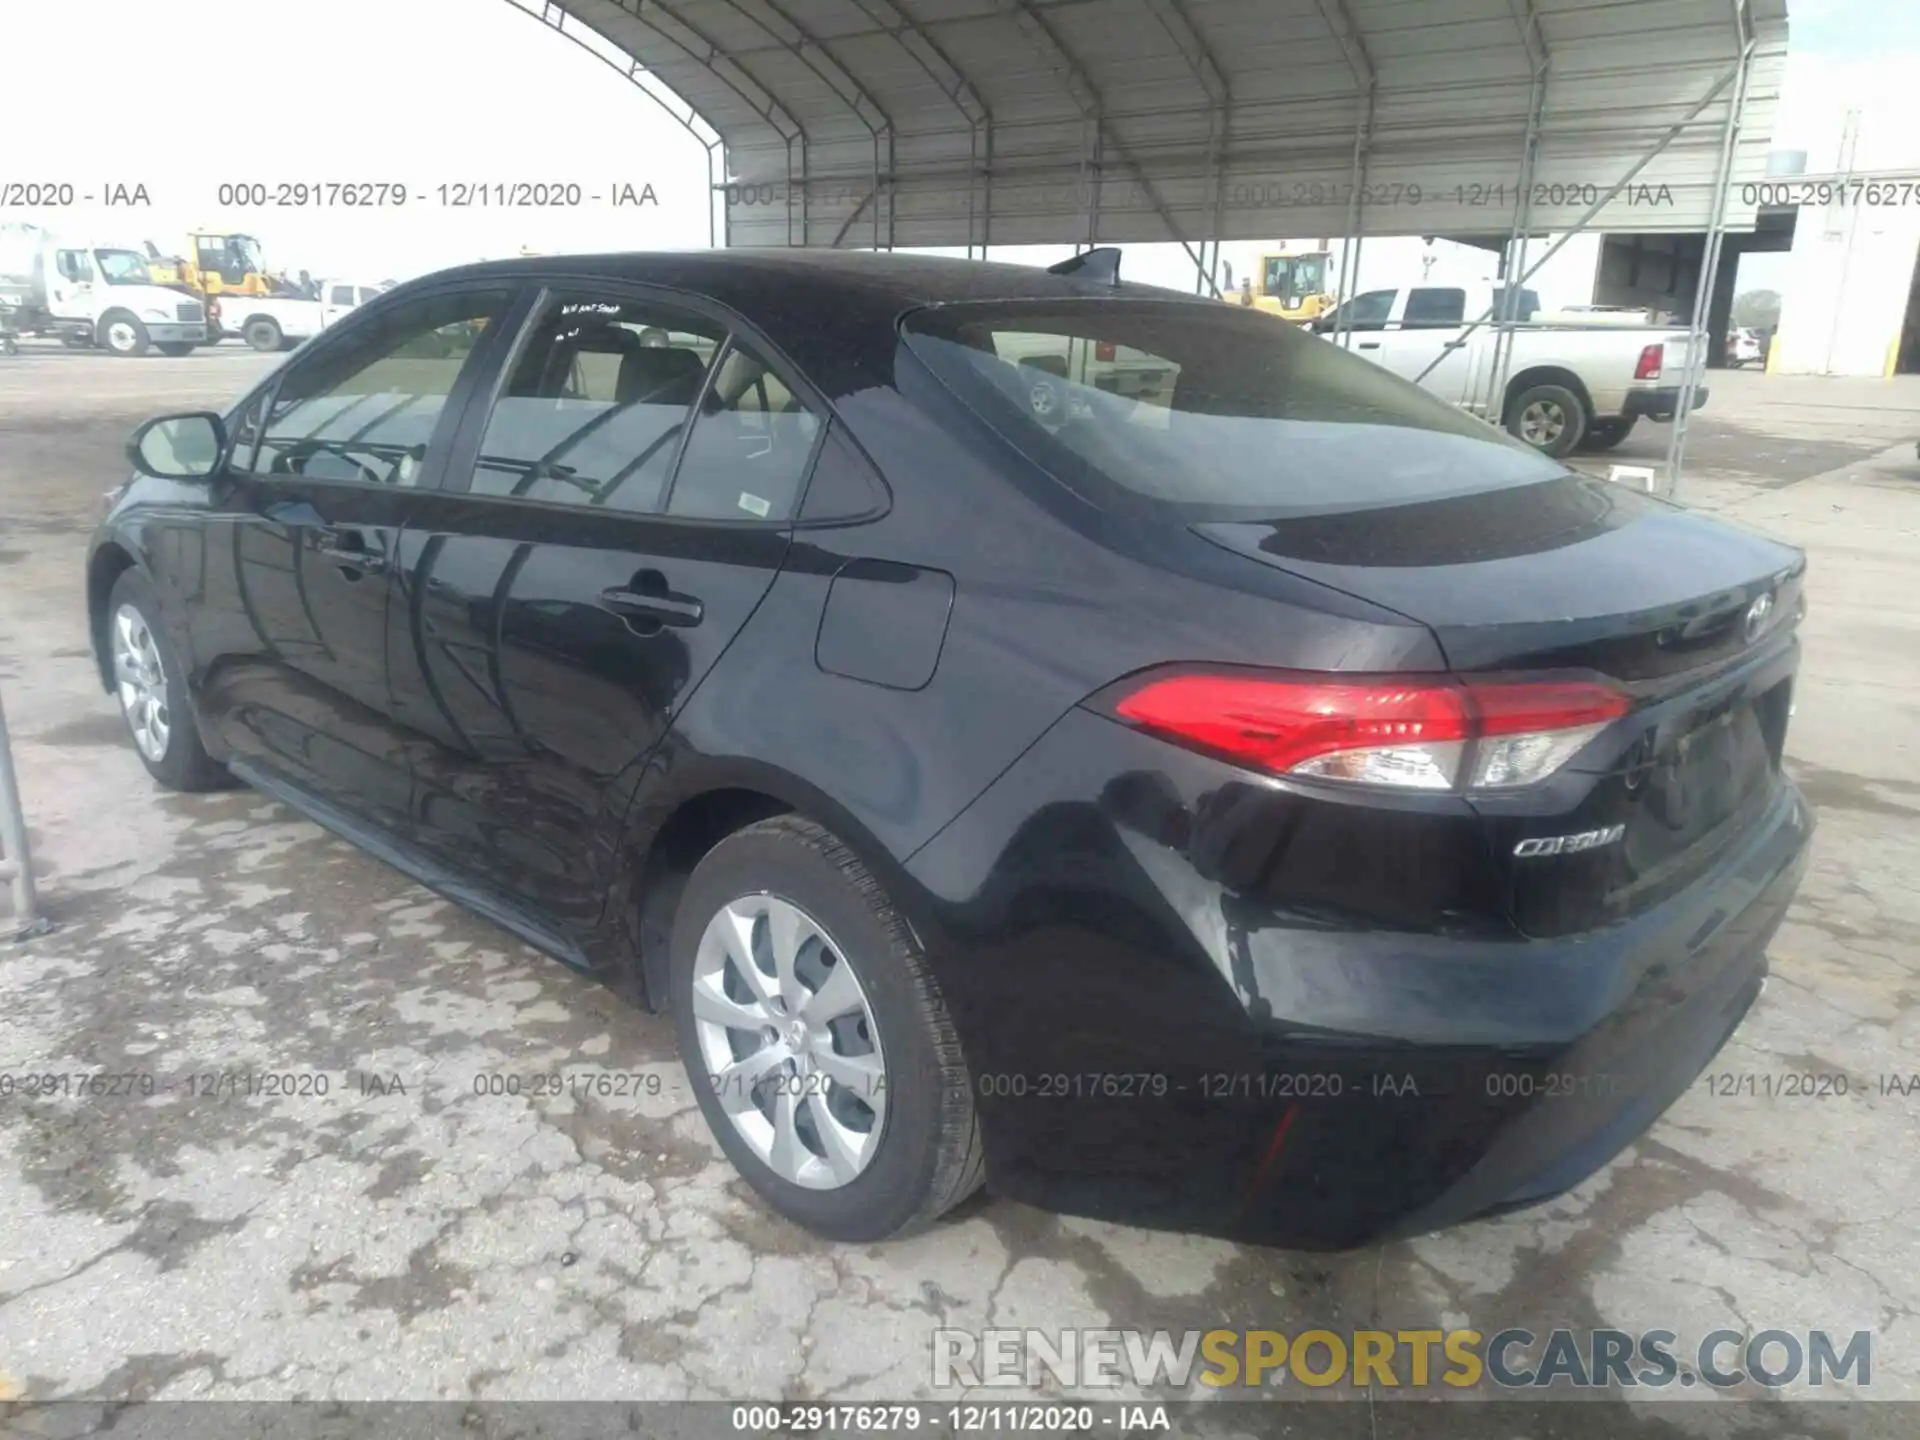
x=1369 y=345
x=649 y=599
x=348 y=549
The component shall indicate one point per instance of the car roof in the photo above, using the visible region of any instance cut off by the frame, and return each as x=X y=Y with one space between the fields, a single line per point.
x=908 y=281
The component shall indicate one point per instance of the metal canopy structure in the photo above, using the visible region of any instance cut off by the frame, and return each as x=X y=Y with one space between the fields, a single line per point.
x=883 y=123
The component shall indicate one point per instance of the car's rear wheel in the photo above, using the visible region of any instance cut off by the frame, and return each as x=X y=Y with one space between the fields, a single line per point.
x=263 y=333
x=819 y=1047
x=1548 y=417
x=152 y=689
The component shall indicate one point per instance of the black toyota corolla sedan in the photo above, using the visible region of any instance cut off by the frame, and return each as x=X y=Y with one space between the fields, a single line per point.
x=1023 y=727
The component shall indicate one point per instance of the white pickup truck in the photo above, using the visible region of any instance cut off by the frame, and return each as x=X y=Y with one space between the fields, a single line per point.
x=280 y=323
x=1567 y=384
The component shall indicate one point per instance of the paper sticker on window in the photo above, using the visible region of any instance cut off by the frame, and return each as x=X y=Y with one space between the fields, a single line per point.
x=754 y=505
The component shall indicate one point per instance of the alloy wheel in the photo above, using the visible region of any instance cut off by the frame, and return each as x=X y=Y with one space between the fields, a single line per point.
x=141 y=681
x=789 y=1041
x=1542 y=423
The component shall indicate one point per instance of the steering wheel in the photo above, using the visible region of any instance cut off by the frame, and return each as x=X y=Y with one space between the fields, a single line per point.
x=293 y=460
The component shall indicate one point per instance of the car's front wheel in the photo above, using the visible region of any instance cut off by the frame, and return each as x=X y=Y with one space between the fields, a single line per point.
x=152 y=689
x=818 y=1043
x=122 y=334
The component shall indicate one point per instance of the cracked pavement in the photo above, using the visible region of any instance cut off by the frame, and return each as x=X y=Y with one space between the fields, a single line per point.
x=409 y=1235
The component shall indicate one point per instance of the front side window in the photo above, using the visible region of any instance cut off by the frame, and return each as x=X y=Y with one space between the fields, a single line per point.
x=1366 y=311
x=596 y=405
x=74 y=265
x=124 y=267
x=748 y=455
x=363 y=405
x=1244 y=419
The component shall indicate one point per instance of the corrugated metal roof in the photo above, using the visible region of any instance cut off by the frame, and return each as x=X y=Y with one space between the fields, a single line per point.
x=956 y=122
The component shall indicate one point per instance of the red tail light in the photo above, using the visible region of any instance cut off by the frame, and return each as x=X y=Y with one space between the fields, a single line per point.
x=1414 y=732
x=1105 y=350
x=1652 y=357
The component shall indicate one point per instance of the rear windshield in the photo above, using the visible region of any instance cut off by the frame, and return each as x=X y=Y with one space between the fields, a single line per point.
x=1219 y=412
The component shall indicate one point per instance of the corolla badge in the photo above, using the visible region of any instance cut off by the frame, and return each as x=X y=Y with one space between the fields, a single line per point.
x=1758 y=614
x=1568 y=844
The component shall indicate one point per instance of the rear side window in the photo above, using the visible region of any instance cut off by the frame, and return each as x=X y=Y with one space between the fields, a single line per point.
x=750 y=447
x=597 y=404
x=1366 y=311
x=1209 y=412
x=1430 y=307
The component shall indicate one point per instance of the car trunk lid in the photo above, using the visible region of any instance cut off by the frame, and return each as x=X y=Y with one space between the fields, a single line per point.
x=1695 y=619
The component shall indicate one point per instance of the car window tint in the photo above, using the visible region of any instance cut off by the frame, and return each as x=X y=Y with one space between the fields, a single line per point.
x=1528 y=303
x=341 y=295
x=362 y=406
x=1366 y=311
x=1430 y=307
x=748 y=454
x=244 y=432
x=595 y=408
x=1231 y=416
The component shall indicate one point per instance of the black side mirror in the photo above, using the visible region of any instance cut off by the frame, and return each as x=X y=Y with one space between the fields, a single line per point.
x=179 y=447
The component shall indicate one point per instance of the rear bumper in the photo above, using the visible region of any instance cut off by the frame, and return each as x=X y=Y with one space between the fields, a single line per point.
x=1151 y=1047
x=1662 y=401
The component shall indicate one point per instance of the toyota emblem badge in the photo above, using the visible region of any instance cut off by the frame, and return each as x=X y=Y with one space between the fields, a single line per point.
x=1757 y=614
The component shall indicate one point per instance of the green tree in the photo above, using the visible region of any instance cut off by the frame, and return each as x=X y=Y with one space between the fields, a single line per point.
x=1757 y=310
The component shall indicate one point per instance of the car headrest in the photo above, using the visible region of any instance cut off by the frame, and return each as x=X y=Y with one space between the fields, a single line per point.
x=601 y=340
x=659 y=376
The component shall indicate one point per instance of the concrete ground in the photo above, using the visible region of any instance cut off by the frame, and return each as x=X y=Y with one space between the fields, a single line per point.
x=434 y=1242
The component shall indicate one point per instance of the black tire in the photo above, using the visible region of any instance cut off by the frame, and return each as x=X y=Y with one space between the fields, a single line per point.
x=121 y=333
x=184 y=764
x=1606 y=434
x=928 y=1157
x=1551 y=400
x=175 y=348
x=262 y=332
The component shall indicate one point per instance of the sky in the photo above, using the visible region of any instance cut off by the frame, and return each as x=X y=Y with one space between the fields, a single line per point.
x=330 y=91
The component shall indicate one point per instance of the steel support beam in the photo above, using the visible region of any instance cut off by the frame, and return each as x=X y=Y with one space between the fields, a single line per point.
x=1586 y=218
x=555 y=19
x=914 y=38
x=1539 y=63
x=1092 y=105
x=16 y=855
x=1193 y=48
x=779 y=119
x=845 y=87
x=1697 y=337
x=1366 y=83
